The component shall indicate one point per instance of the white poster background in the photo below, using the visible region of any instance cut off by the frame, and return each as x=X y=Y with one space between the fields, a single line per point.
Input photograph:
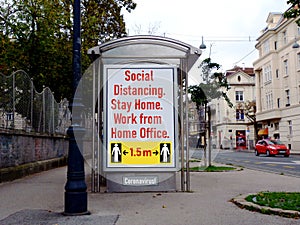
x=121 y=100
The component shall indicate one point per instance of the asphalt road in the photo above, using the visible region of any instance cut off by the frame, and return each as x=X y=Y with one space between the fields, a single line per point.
x=276 y=164
x=39 y=199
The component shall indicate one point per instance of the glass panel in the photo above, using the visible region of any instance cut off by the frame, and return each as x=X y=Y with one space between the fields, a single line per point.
x=145 y=50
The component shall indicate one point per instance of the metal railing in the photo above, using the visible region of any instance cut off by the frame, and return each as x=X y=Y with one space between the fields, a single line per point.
x=23 y=108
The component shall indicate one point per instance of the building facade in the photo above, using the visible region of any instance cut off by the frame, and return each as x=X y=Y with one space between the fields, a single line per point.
x=231 y=129
x=277 y=78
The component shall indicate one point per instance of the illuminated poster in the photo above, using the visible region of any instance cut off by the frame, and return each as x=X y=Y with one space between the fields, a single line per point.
x=140 y=116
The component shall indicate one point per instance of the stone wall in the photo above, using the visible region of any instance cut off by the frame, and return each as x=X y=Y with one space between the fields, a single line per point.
x=30 y=152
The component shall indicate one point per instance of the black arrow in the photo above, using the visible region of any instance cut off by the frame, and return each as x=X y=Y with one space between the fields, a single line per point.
x=156 y=152
x=124 y=152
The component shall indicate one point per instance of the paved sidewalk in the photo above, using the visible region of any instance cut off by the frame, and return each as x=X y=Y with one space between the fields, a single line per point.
x=39 y=199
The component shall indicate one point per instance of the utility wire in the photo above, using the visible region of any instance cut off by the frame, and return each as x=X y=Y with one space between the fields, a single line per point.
x=245 y=56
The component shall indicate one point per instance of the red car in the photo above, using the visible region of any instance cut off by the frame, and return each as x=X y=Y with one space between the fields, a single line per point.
x=271 y=147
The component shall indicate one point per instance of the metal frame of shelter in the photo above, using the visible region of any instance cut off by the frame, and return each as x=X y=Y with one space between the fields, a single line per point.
x=142 y=49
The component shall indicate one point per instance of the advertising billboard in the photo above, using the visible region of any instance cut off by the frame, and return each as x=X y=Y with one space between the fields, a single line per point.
x=140 y=116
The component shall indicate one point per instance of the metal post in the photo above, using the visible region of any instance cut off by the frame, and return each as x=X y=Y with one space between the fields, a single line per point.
x=209 y=134
x=44 y=110
x=205 y=137
x=100 y=149
x=14 y=101
x=53 y=127
x=75 y=188
x=93 y=136
x=188 y=181
x=183 y=179
x=202 y=119
x=31 y=104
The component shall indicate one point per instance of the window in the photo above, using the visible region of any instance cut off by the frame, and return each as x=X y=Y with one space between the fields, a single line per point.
x=299 y=94
x=277 y=73
x=269 y=100
x=201 y=114
x=290 y=127
x=219 y=113
x=239 y=96
x=287 y=94
x=298 y=60
x=278 y=102
x=275 y=45
x=268 y=73
x=239 y=114
x=266 y=47
x=285 y=67
x=284 y=37
x=9 y=116
x=192 y=114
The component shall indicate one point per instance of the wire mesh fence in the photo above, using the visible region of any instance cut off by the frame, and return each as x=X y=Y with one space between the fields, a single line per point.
x=23 y=108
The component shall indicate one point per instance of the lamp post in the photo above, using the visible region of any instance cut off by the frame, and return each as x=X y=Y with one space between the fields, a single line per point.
x=75 y=188
x=207 y=120
x=209 y=134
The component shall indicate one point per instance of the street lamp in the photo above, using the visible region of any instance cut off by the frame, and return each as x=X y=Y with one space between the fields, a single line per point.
x=75 y=188
x=202 y=46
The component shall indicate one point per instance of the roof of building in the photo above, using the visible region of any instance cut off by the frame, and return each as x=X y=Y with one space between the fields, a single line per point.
x=274 y=20
x=236 y=69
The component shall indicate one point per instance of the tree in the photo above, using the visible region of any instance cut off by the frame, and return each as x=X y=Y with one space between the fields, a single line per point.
x=152 y=29
x=102 y=21
x=37 y=40
x=294 y=11
x=249 y=108
x=212 y=87
x=36 y=36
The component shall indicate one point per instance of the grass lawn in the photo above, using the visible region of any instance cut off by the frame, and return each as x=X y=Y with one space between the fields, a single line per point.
x=283 y=200
x=212 y=168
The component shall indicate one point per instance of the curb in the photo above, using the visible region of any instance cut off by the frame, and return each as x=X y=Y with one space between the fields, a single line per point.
x=17 y=172
x=241 y=202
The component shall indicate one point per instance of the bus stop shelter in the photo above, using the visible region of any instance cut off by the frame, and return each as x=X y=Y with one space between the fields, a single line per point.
x=139 y=102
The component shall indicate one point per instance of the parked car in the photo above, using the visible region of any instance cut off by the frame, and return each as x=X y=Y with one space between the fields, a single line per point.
x=271 y=147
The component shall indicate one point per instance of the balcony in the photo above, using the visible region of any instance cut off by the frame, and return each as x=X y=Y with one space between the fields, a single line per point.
x=268 y=115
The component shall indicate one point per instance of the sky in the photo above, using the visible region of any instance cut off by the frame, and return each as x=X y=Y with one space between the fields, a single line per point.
x=229 y=28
